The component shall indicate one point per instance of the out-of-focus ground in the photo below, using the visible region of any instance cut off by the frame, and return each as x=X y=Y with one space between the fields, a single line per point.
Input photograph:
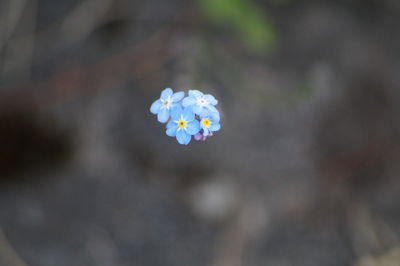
x=305 y=170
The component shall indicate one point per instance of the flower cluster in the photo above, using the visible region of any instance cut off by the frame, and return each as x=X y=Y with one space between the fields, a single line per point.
x=194 y=115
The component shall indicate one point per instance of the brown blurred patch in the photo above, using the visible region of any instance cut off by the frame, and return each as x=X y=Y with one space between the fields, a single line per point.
x=357 y=139
x=29 y=141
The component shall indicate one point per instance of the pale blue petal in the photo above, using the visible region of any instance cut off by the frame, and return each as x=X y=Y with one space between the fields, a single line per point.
x=183 y=137
x=195 y=93
x=171 y=131
x=188 y=139
x=171 y=124
x=190 y=107
x=209 y=98
x=212 y=109
x=163 y=115
x=206 y=132
x=198 y=110
x=165 y=93
x=175 y=104
x=215 y=127
x=155 y=107
x=176 y=97
x=188 y=114
x=176 y=112
x=193 y=127
x=188 y=101
x=205 y=113
x=215 y=116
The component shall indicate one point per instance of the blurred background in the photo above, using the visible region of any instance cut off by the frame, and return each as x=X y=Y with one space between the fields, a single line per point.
x=305 y=170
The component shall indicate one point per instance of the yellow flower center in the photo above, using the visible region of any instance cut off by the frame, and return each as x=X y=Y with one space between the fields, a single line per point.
x=206 y=122
x=181 y=123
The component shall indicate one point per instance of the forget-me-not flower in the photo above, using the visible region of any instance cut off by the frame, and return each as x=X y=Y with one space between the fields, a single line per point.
x=209 y=124
x=163 y=106
x=200 y=103
x=182 y=125
x=194 y=115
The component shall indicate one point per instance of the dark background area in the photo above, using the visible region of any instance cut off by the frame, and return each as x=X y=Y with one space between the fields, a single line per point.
x=305 y=170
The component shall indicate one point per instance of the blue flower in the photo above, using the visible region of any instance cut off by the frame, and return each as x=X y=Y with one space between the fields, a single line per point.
x=182 y=125
x=209 y=124
x=200 y=103
x=194 y=115
x=167 y=101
